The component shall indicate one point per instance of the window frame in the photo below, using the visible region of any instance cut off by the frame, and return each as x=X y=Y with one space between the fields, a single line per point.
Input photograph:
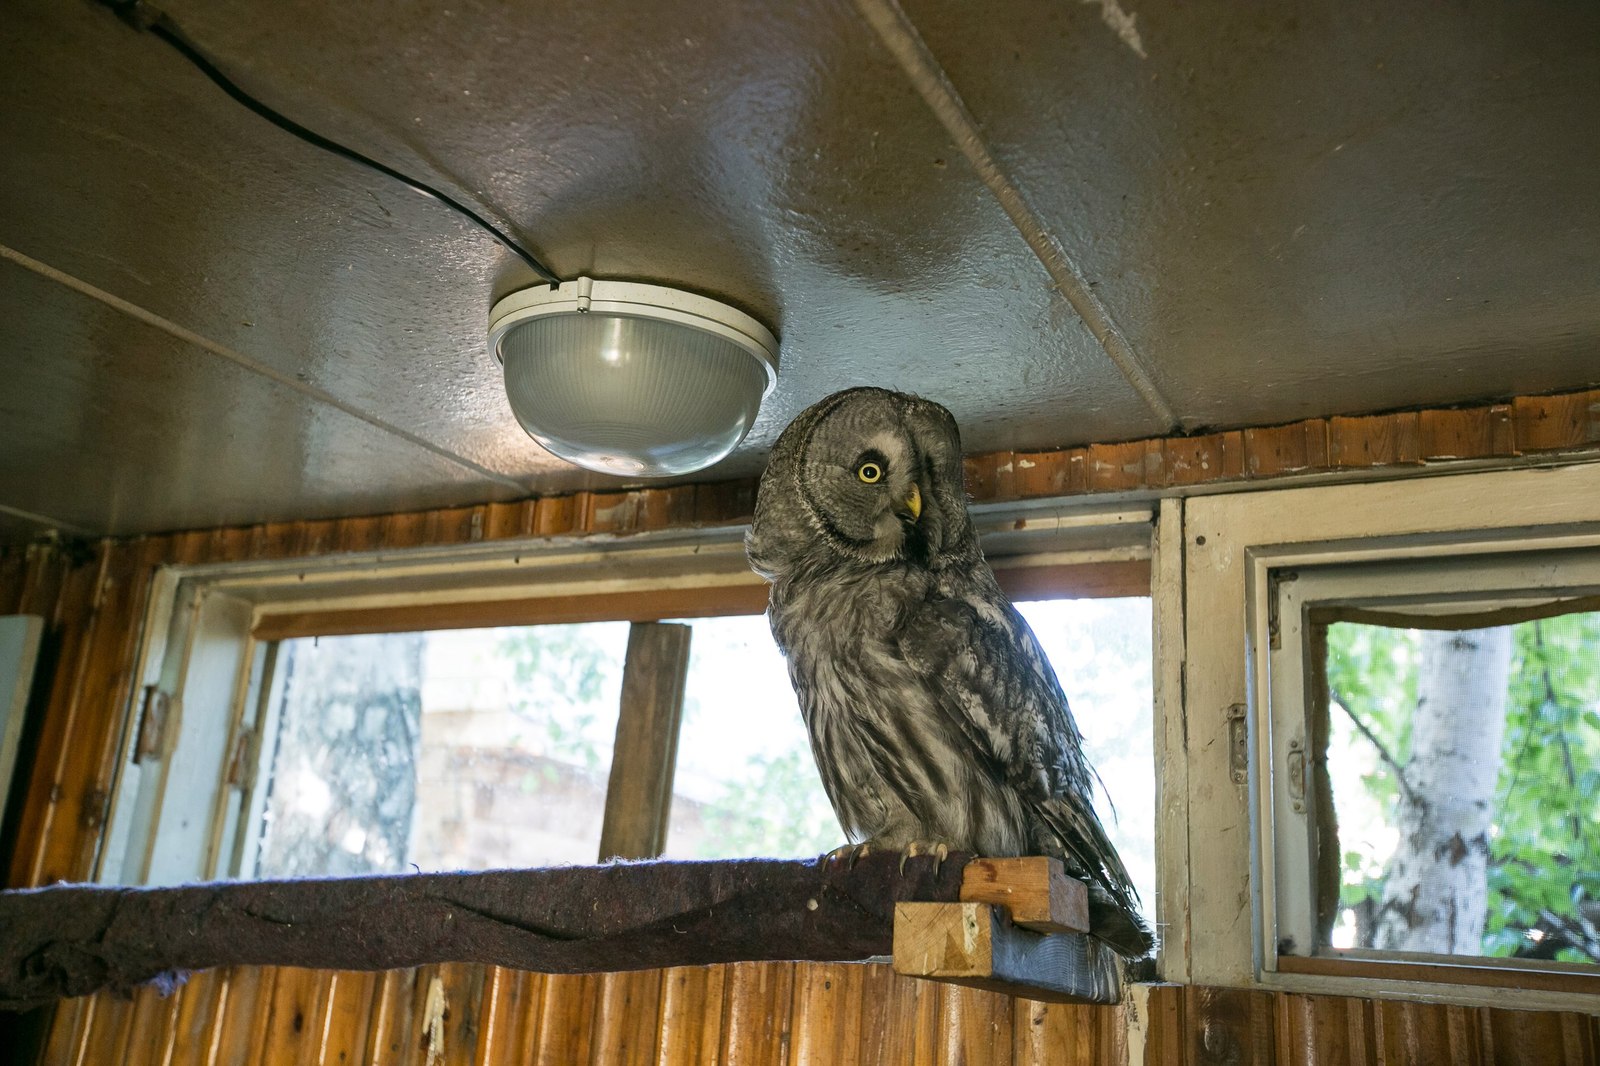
x=1524 y=572
x=212 y=632
x=1232 y=544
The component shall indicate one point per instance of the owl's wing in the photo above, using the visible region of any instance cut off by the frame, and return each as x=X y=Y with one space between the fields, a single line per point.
x=985 y=668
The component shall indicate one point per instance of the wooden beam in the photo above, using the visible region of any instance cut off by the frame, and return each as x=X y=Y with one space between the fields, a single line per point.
x=1035 y=891
x=639 y=796
x=974 y=944
x=68 y=940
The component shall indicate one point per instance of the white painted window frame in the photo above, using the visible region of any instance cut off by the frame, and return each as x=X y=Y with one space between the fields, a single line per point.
x=1231 y=544
x=175 y=814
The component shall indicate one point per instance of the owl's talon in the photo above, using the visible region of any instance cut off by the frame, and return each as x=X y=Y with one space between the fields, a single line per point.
x=849 y=854
x=940 y=853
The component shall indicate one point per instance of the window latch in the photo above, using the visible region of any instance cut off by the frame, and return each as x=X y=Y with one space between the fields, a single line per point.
x=1238 y=744
x=153 y=714
x=1297 y=775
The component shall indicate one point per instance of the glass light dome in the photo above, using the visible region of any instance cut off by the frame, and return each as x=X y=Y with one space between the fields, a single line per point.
x=636 y=380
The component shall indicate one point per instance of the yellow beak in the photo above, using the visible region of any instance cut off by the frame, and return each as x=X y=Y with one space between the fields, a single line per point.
x=914 y=503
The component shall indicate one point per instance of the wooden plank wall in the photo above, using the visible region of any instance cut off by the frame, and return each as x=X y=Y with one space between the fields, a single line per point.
x=93 y=598
x=771 y=1014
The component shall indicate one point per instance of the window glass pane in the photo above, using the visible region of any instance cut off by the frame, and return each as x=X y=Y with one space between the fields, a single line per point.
x=746 y=782
x=1465 y=771
x=1101 y=651
x=451 y=750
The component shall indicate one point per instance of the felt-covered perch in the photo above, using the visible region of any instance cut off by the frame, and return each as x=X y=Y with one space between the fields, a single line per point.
x=69 y=940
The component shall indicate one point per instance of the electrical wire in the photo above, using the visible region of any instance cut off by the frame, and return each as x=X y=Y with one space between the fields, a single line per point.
x=143 y=16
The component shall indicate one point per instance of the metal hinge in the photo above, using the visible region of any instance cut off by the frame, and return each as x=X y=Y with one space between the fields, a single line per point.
x=244 y=763
x=1238 y=744
x=156 y=709
x=1274 y=580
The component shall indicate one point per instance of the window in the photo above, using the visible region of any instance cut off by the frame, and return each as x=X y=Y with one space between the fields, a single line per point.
x=1434 y=759
x=447 y=750
x=312 y=725
x=1284 y=809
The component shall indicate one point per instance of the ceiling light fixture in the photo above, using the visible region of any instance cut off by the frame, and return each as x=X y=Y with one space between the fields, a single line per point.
x=631 y=379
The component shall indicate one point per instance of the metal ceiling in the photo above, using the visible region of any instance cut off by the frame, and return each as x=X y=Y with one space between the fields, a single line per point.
x=1067 y=221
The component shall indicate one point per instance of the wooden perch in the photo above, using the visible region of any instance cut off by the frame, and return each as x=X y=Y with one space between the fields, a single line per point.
x=69 y=940
x=1019 y=929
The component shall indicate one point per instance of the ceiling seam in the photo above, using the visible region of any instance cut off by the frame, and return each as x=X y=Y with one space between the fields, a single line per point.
x=47 y=521
x=188 y=336
x=900 y=36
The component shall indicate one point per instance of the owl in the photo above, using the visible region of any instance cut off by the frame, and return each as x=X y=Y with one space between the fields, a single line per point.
x=936 y=720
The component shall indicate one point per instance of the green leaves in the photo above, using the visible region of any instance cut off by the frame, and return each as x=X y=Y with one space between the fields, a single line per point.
x=1544 y=860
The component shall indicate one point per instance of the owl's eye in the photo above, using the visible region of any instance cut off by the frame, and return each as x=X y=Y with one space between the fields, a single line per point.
x=870 y=472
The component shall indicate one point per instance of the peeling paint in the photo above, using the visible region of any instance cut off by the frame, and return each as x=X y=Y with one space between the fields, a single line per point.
x=1121 y=23
x=433 y=1012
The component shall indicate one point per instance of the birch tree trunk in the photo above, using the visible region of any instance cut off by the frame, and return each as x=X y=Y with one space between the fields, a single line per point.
x=1435 y=893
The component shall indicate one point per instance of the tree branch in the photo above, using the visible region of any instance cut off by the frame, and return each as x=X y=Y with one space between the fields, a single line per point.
x=1382 y=749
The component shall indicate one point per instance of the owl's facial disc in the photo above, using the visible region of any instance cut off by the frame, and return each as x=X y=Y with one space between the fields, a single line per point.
x=860 y=482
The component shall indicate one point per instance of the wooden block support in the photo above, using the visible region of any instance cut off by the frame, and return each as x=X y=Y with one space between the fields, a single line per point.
x=973 y=944
x=1034 y=890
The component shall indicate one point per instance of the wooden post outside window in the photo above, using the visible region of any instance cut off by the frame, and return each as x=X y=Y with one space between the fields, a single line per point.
x=639 y=795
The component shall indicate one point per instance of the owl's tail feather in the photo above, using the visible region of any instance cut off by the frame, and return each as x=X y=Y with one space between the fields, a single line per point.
x=1119 y=927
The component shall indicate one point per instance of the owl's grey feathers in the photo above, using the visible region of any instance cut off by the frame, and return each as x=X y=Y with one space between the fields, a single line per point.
x=933 y=712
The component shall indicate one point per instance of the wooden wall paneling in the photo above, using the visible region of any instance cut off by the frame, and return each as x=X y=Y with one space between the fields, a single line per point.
x=1229 y=1027
x=464 y=985
x=721 y=503
x=991 y=476
x=1121 y=467
x=876 y=1022
x=364 y=534
x=346 y=1017
x=403 y=530
x=754 y=1031
x=1553 y=423
x=294 y=1010
x=1375 y=440
x=627 y=1019
x=152 y=1033
x=1040 y=473
x=1196 y=460
x=1166 y=1037
x=609 y=512
x=389 y=1032
x=976 y=1028
x=105 y=1035
x=65 y=1031
x=241 y=1016
x=42 y=836
x=504 y=520
x=196 y=1006
x=691 y=1015
x=554 y=516
x=909 y=1030
x=1464 y=433
x=565 y=1019
x=826 y=1011
x=497 y=1015
x=1322 y=1031
x=1523 y=1038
